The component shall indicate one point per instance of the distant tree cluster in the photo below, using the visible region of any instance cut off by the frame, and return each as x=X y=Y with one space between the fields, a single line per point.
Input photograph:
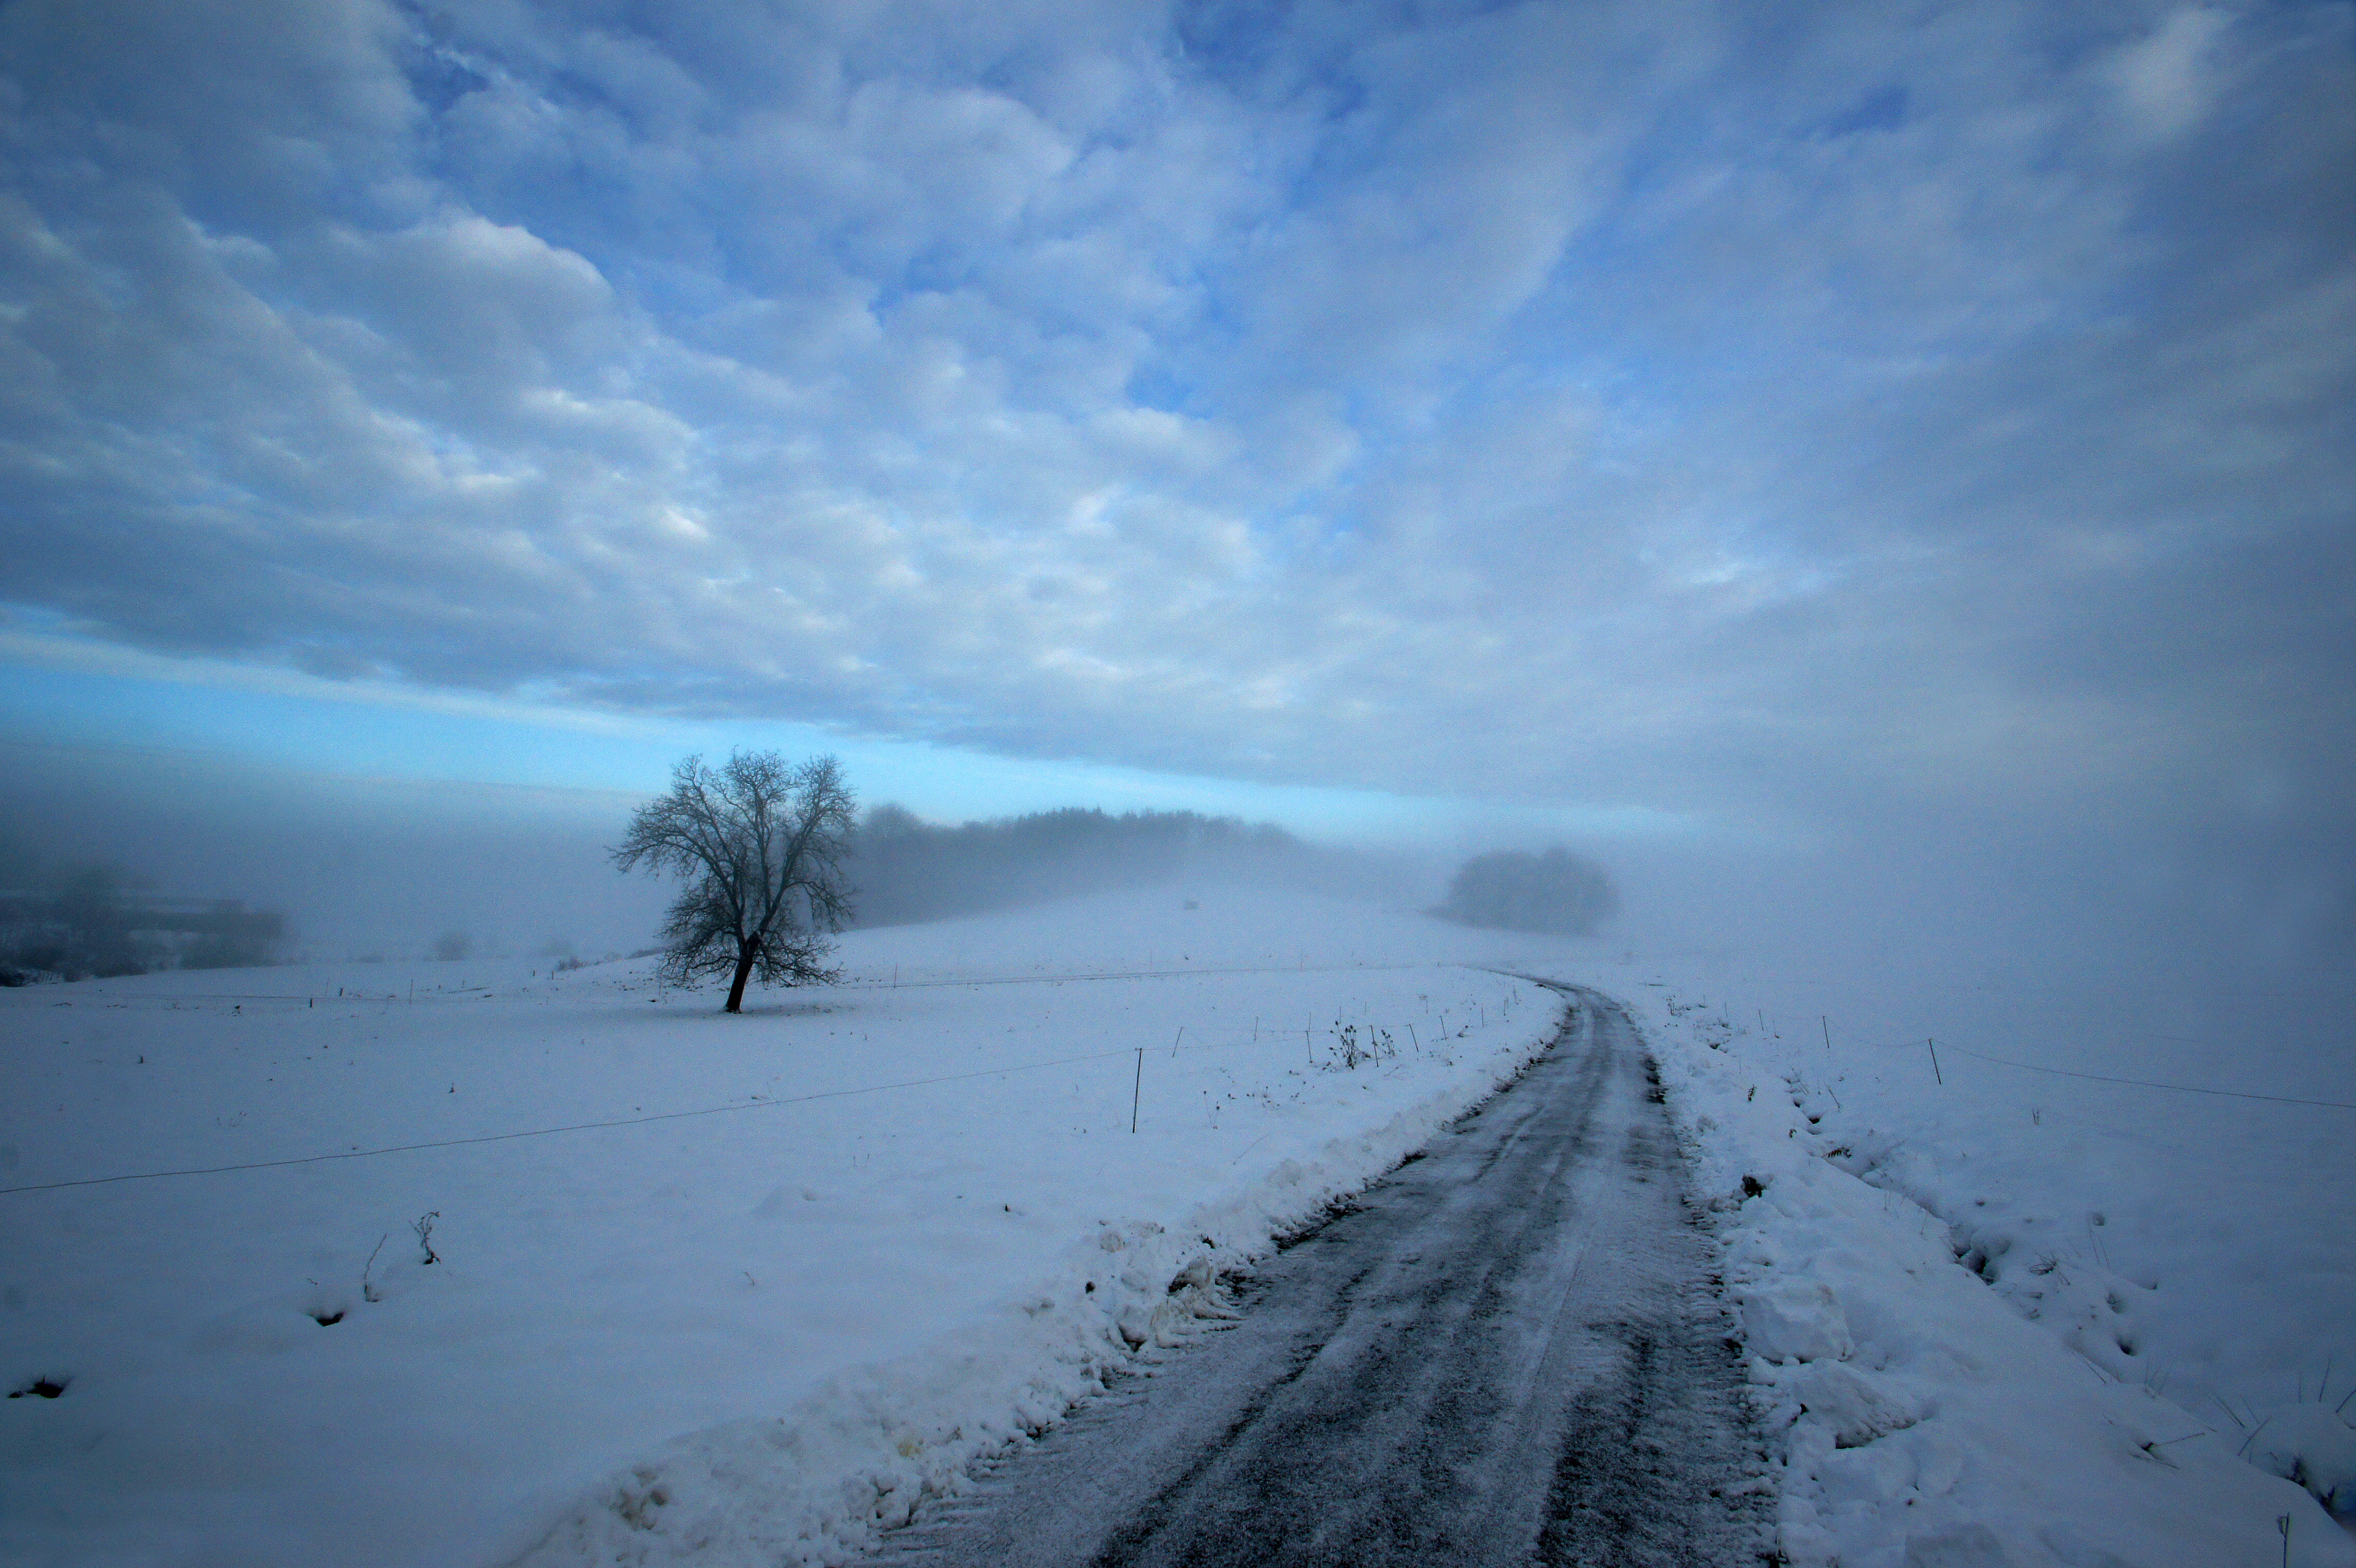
x=86 y=924
x=909 y=871
x=1517 y=891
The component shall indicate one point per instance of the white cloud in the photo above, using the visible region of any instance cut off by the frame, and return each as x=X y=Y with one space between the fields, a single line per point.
x=2168 y=80
x=1640 y=409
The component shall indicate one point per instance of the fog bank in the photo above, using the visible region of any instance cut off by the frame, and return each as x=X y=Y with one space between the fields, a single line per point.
x=2116 y=918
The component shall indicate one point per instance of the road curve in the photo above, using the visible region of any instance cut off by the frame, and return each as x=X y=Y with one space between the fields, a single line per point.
x=1511 y=1350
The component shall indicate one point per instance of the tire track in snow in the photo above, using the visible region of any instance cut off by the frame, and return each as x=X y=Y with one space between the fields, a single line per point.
x=1511 y=1350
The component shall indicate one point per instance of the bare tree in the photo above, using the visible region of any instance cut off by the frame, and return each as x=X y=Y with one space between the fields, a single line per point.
x=761 y=843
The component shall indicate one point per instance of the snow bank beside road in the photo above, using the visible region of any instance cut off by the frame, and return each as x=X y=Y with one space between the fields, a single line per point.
x=815 y=1484
x=1925 y=1417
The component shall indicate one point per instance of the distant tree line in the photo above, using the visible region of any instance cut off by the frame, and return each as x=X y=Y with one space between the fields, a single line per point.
x=87 y=924
x=1514 y=890
x=772 y=860
x=905 y=870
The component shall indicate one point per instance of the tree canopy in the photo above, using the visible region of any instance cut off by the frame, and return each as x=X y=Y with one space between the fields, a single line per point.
x=1512 y=889
x=760 y=844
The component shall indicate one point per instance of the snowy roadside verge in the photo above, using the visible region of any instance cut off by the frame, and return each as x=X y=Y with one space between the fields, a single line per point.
x=1921 y=1420
x=869 y=1444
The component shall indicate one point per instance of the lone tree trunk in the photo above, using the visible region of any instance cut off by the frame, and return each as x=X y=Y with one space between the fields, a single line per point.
x=744 y=958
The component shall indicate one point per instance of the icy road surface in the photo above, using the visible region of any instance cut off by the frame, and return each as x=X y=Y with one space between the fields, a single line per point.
x=1511 y=1350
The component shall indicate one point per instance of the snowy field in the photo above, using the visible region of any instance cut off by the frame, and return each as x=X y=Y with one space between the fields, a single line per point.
x=881 y=1228
x=619 y=1317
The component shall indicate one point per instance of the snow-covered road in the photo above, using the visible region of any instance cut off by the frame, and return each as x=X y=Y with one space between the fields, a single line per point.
x=1510 y=1350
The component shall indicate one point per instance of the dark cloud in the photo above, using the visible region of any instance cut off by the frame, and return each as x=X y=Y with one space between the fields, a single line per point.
x=1835 y=420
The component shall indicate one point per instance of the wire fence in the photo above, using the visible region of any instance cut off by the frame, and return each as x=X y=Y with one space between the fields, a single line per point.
x=1947 y=1047
x=1454 y=1024
x=133 y=999
x=1450 y=1023
x=2148 y=1083
x=755 y=1104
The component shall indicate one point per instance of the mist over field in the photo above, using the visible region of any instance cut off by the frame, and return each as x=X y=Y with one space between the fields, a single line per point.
x=383 y=866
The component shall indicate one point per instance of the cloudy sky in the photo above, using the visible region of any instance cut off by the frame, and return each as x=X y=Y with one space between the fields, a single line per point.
x=1810 y=426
